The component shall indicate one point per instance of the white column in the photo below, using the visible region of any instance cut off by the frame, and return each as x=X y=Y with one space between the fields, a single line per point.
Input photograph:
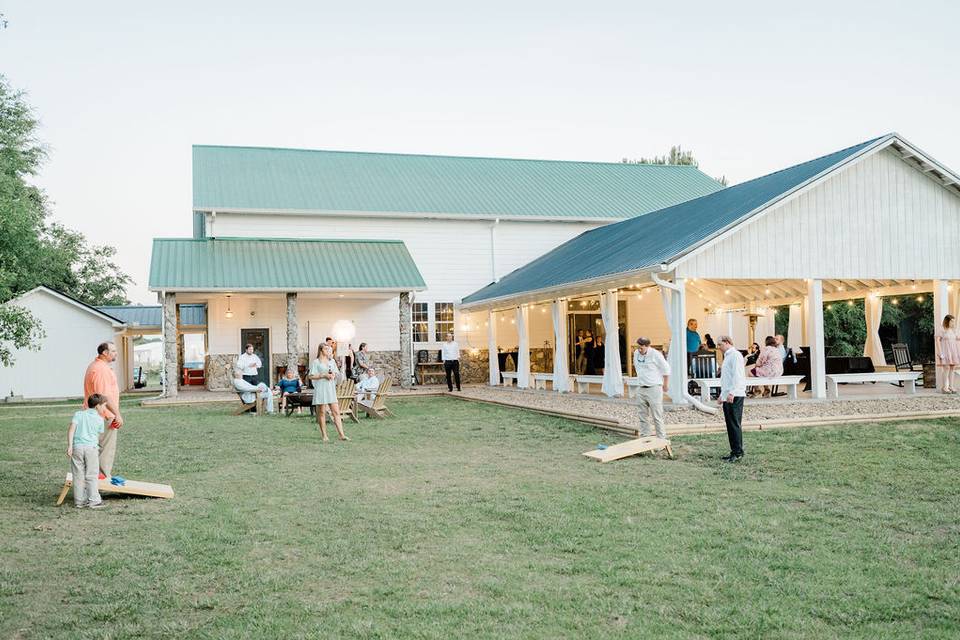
x=561 y=376
x=795 y=328
x=523 y=358
x=940 y=309
x=612 y=375
x=492 y=350
x=872 y=310
x=678 y=342
x=818 y=363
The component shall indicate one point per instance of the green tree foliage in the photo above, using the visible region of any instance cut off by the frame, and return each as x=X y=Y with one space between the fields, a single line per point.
x=676 y=156
x=844 y=328
x=34 y=250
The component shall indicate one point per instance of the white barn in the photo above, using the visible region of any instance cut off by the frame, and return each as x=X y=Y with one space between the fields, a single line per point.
x=73 y=331
x=401 y=239
x=875 y=221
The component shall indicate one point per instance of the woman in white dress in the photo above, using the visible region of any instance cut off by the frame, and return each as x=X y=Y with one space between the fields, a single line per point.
x=323 y=373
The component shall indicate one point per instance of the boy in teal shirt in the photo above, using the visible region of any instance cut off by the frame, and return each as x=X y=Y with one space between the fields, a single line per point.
x=83 y=438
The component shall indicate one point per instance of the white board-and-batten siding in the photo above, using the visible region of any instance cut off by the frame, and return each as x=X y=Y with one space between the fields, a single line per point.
x=877 y=218
x=452 y=255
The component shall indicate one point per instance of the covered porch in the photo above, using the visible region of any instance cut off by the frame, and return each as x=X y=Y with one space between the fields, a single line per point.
x=285 y=297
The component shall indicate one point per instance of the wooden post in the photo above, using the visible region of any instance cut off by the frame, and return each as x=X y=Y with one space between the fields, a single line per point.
x=169 y=374
x=818 y=362
x=406 y=345
x=293 y=331
x=941 y=307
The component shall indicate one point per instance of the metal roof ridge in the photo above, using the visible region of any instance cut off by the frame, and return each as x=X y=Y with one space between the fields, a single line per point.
x=244 y=239
x=448 y=157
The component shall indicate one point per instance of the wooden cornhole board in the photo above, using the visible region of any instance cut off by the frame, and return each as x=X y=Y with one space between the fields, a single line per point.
x=132 y=487
x=630 y=448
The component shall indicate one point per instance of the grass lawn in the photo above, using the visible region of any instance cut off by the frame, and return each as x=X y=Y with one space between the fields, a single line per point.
x=460 y=520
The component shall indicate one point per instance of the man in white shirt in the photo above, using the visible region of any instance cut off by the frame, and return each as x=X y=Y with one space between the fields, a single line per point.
x=450 y=354
x=653 y=372
x=249 y=392
x=249 y=363
x=733 y=388
x=368 y=385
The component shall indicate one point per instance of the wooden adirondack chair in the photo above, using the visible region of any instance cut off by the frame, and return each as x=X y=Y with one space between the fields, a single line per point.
x=378 y=408
x=346 y=395
x=256 y=406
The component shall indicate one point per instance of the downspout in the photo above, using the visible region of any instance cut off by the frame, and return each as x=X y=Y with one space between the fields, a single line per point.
x=686 y=394
x=493 y=249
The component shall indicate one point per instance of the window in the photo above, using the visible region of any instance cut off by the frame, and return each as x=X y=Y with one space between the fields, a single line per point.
x=443 y=320
x=421 y=331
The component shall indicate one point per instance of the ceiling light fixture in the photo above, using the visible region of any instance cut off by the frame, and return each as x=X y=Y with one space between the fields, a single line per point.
x=229 y=313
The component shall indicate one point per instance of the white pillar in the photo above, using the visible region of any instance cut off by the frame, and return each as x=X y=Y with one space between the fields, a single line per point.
x=561 y=376
x=940 y=309
x=493 y=357
x=818 y=363
x=872 y=311
x=612 y=375
x=523 y=358
x=795 y=327
x=678 y=342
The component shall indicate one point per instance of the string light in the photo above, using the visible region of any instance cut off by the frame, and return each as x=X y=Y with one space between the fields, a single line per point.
x=829 y=306
x=726 y=291
x=919 y=298
x=895 y=302
x=849 y=303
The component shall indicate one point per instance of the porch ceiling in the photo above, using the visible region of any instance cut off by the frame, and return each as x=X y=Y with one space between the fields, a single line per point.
x=723 y=294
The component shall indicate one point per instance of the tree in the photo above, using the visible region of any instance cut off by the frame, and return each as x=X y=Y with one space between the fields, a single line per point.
x=676 y=156
x=34 y=250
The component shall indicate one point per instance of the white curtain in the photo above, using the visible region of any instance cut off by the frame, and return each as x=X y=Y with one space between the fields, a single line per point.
x=612 y=375
x=795 y=328
x=523 y=358
x=872 y=310
x=492 y=350
x=561 y=377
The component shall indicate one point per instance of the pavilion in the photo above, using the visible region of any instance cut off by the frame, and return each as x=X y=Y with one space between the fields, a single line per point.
x=878 y=219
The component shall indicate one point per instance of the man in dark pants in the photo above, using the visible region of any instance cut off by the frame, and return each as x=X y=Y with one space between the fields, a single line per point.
x=733 y=388
x=450 y=354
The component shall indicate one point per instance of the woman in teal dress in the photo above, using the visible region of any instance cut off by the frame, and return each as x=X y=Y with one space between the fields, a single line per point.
x=323 y=373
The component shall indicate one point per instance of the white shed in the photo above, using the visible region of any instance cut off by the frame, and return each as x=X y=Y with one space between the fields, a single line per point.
x=73 y=331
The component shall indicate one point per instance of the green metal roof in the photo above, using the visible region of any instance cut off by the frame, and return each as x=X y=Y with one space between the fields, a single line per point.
x=245 y=264
x=662 y=236
x=264 y=179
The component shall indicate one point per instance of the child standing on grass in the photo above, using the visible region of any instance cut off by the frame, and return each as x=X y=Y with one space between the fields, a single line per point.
x=82 y=449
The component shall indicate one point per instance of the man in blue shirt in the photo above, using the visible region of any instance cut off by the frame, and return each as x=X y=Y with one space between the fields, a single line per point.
x=693 y=338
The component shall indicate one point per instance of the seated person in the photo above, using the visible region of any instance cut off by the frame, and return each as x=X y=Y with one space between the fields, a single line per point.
x=368 y=387
x=288 y=384
x=753 y=354
x=248 y=392
x=769 y=364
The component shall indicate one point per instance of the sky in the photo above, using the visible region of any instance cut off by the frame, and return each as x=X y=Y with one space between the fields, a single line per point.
x=123 y=89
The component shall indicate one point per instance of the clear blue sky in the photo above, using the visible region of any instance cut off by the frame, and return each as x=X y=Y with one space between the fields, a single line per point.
x=124 y=88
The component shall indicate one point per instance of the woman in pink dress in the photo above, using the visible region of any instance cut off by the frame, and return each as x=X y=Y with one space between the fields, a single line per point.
x=949 y=352
x=769 y=365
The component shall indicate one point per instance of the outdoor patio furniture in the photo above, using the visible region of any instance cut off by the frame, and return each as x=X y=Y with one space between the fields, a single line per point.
x=509 y=378
x=378 y=408
x=301 y=399
x=347 y=398
x=791 y=382
x=902 y=360
x=193 y=377
x=428 y=369
x=908 y=378
x=584 y=382
x=702 y=365
x=256 y=406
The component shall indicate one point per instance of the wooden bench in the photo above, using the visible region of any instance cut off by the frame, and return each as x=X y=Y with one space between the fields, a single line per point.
x=908 y=378
x=540 y=380
x=509 y=378
x=790 y=382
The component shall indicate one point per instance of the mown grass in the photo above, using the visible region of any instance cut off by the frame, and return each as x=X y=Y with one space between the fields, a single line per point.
x=464 y=520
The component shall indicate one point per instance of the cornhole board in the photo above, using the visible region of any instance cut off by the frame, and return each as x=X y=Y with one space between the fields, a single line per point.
x=132 y=487
x=630 y=448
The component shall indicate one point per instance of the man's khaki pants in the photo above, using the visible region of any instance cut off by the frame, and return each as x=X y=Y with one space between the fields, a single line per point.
x=108 y=449
x=650 y=400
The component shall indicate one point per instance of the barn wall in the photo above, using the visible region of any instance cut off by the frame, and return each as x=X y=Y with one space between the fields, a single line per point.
x=879 y=218
x=70 y=345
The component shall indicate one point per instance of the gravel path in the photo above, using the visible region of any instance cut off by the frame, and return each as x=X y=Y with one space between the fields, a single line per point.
x=626 y=411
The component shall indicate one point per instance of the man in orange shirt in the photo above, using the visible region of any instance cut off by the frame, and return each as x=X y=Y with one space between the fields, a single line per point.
x=101 y=379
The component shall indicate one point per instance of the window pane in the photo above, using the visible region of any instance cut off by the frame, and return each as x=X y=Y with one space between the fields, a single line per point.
x=421 y=332
x=443 y=320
